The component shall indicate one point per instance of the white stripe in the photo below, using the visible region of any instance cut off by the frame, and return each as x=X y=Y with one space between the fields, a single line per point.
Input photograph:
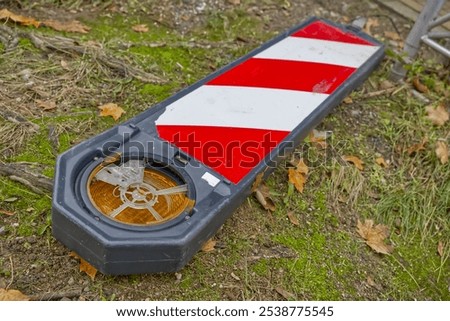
x=245 y=107
x=322 y=51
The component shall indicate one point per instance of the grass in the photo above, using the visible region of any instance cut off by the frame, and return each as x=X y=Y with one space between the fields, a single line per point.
x=329 y=261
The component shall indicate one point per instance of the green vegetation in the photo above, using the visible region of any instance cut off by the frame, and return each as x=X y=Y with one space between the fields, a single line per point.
x=320 y=258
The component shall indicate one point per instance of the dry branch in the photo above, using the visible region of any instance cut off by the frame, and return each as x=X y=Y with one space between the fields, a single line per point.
x=56 y=296
x=71 y=46
x=17 y=119
x=22 y=173
x=8 y=37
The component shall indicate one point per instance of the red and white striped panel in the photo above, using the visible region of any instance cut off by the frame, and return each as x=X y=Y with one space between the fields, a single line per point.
x=233 y=121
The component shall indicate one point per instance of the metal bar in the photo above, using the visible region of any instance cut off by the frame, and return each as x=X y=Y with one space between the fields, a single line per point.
x=433 y=44
x=439 y=34
x=439 y=21
x=420 y=28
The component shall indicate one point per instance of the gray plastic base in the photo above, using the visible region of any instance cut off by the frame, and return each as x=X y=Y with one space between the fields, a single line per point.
x=116 y=248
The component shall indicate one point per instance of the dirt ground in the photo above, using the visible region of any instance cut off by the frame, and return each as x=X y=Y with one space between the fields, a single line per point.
x=259 y=255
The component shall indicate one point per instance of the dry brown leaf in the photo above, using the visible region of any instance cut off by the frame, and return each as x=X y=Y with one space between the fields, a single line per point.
x=46 y=104
x=392 y=35
x=380 y=161
x=297 y=175
x=235 y=2
x=88 y=269
x=417 y=147
x=370 y=281
x=209 y=246
x=26 y=21
x=140 y=28
x=375 y=236
x=386 y=84
x=64 y=65
x=439 y=115
x=373 y=284
x=262 y=194
x=85 y=266
x=371 y=22
x=9 y=213
x=348 y=100
x=442 y=151
x=292 y=218
x=297 y=179
x=419 y=85
x=258 y=181
x=318 y=138
x=12 y=295
x=68 y=26
x=302 y=167
x=285 y=294
x=359 y=164
x=112 y=110
x=440 y=248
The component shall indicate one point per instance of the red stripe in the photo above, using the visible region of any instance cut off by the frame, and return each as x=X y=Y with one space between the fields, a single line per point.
x=285 y=74
x=232 y=152
x=323 y=31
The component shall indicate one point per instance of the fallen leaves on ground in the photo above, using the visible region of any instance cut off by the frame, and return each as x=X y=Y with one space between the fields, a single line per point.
x=371 y=22
x=419 y=86
x=318 y=138
x=285 y=294
x=209 y=246
x=440 y=248
x=417 y=147
x=68 y=26
x=262 y=194
x=85 y=266
x=234 y=276
x=297 y=175
x=46 y=104
x=88 y=269
x=392 y=35
x=375 y=236
x=442 y=151
x=26 y=21
x=359 y=164
x=112 y=110
x=380 y=161
x=439 y=115
x=386 y=84
x=12 y=295
x=292 y=218
x=373 y=284
x=9 y=213
x=348 y=100
x=140 y=28
x=64 y=65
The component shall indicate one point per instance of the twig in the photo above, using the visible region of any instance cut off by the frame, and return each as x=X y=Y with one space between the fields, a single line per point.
x=182 y=44
x=17 y=119
x=69 y=46
x=406 y=270
x=38 y=183
x=55 y=296
x=53 y=138
x=8 y=37
x=26 y=183
x=381 y=92
x=12 y=273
